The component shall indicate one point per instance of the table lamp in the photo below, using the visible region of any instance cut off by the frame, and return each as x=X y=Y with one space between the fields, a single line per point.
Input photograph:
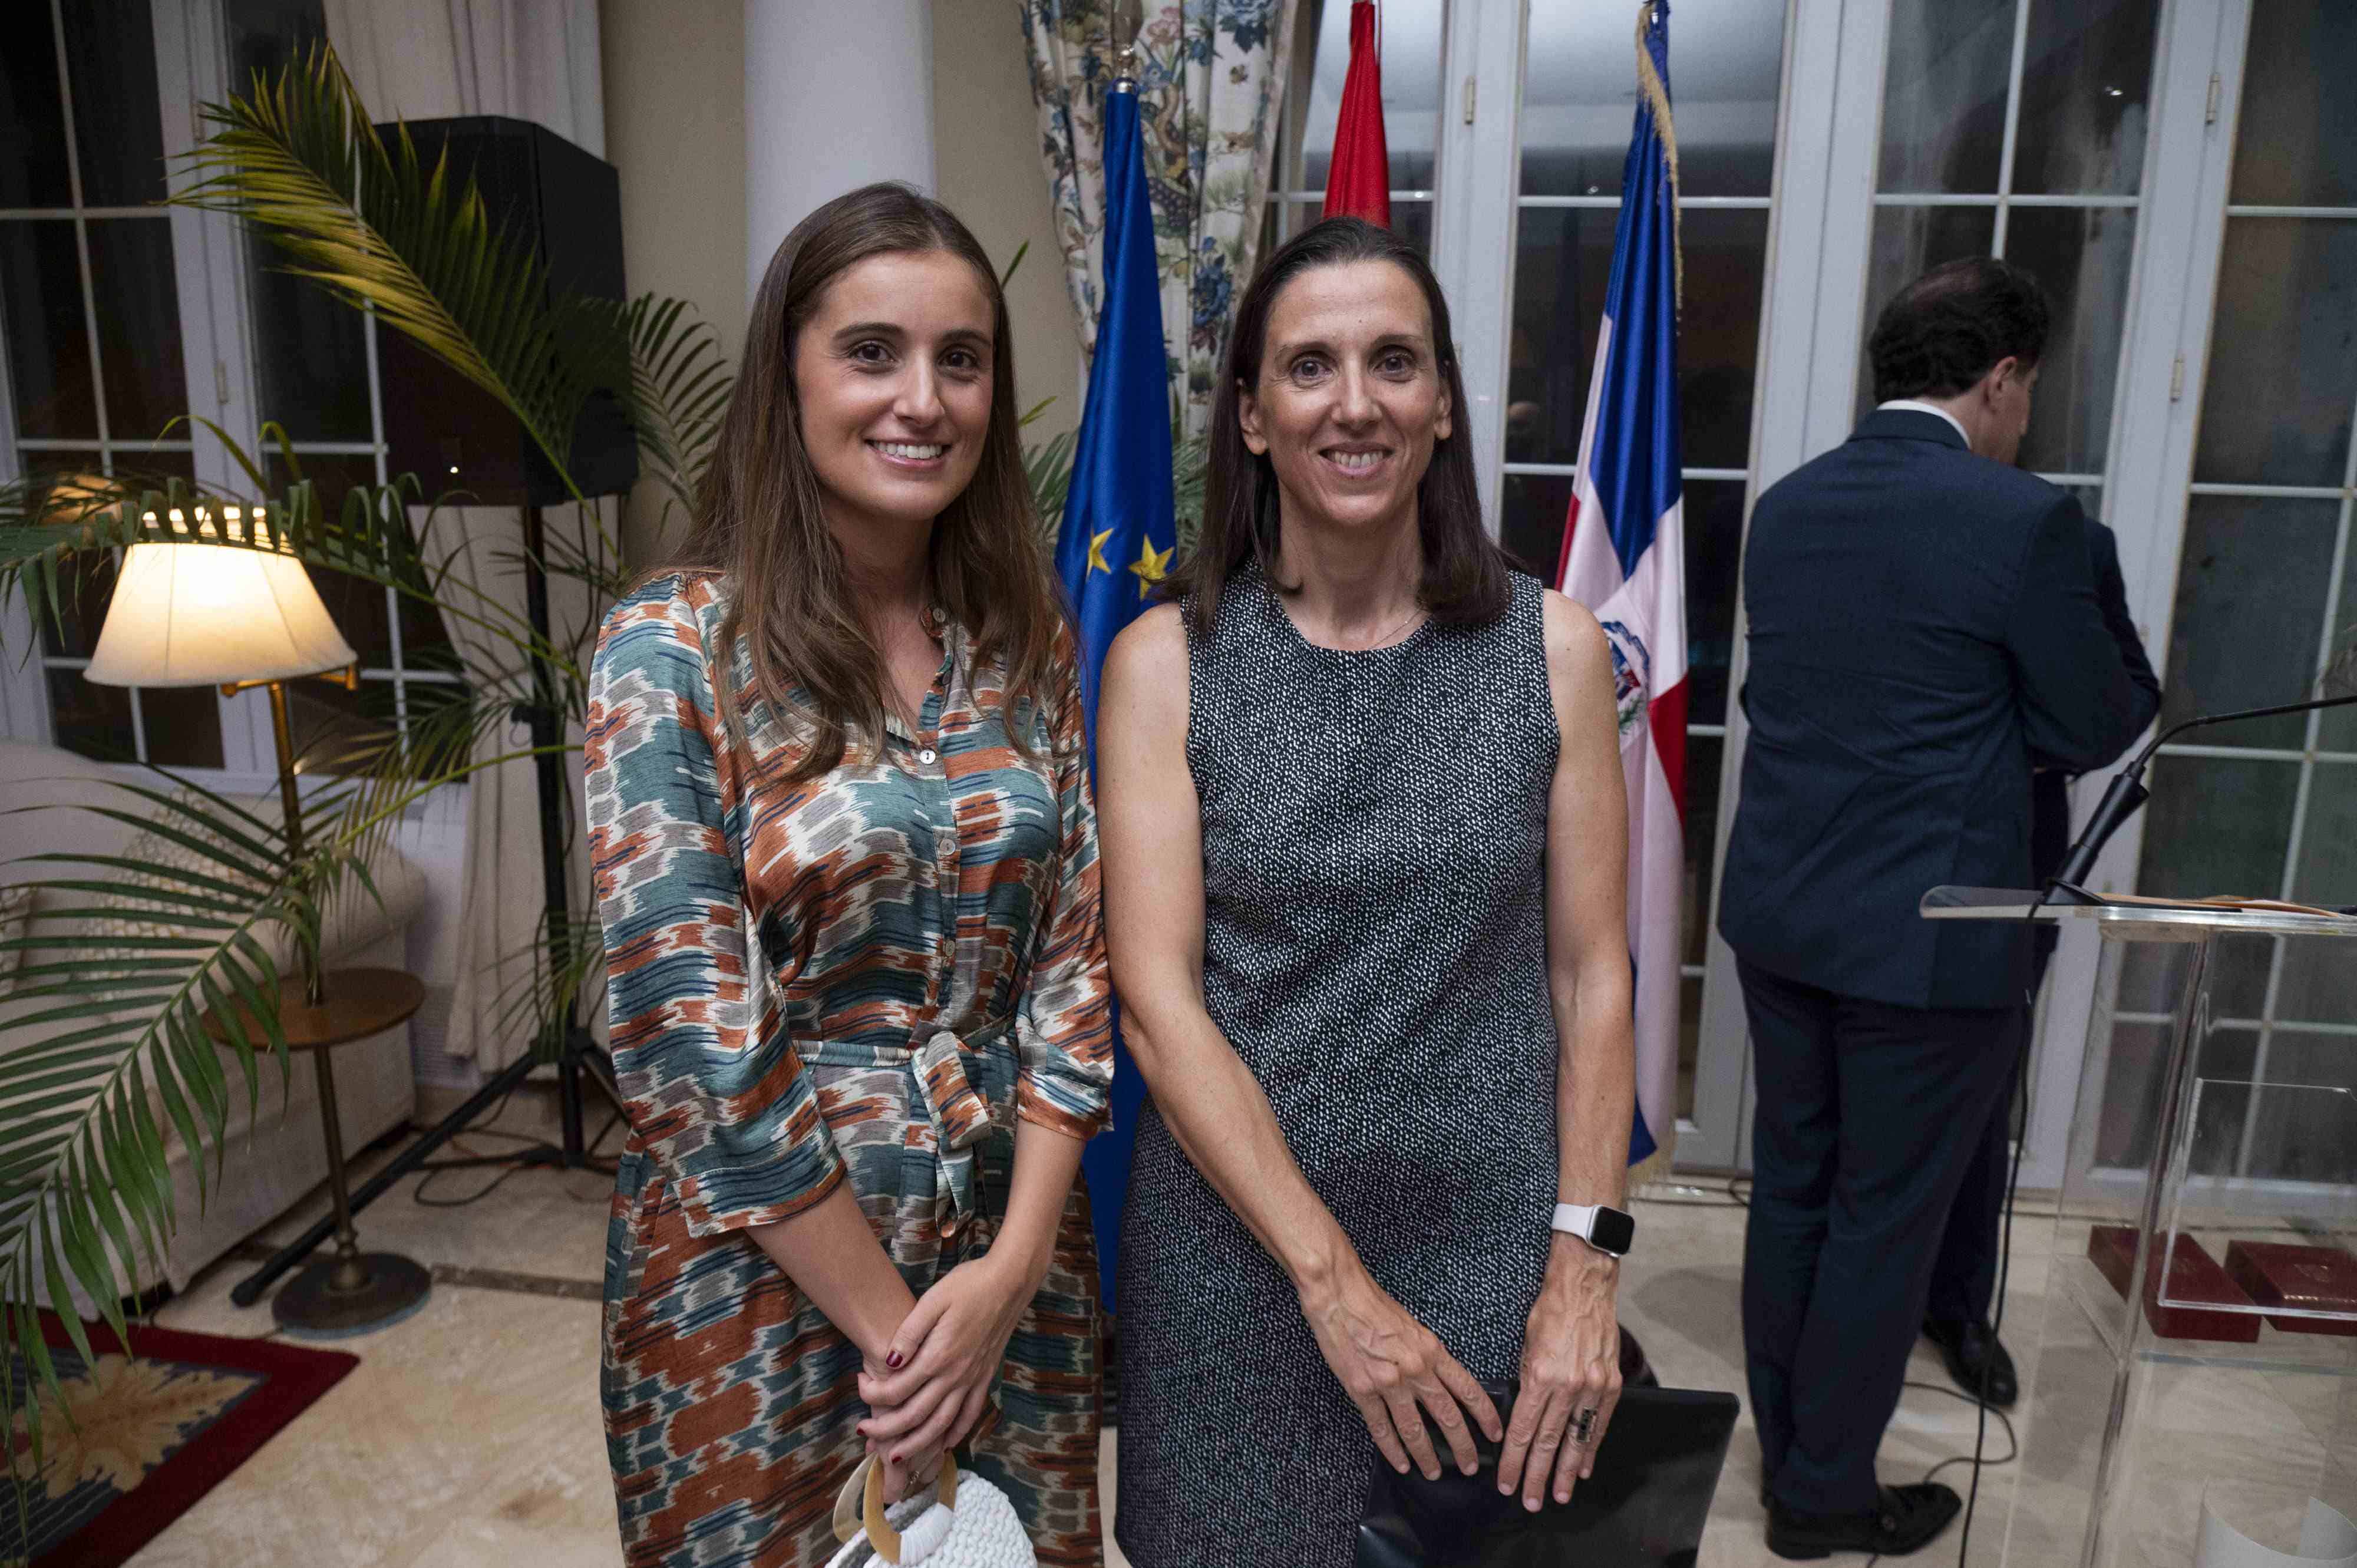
x=193 y=610
x=202 y=613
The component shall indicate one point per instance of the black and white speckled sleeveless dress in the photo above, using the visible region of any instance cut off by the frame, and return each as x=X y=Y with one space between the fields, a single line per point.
x=1374 y=949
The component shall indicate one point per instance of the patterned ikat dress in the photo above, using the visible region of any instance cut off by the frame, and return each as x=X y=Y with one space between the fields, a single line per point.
x=869 y=978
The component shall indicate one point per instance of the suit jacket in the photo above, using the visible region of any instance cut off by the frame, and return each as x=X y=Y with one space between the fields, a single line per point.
x=2049 y=791
x=1924 y=627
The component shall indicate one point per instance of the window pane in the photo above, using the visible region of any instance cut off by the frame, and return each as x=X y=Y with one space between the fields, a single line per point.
x=1908 y=242
x=2320 y=980
x=1411 y=221
x=356 y=605
x=2137 y=1076
x=1703 y=753
x=1562 y=263
x=310 y=349
x=1412 y=42
x=337 y=731
x=2337 y=727
x=2217 y=825
x=1719 y=332
x=2151 y=973
x=48 y=344
x=81 y=606
x=2298 y=142
x=1560 y=275
x=1714 y=558
x=91 y=719
x=118 y=117
x=1530 y=521
x=183 y=725
x=139 y=326
x=94 y=581
x=311 y=352
x=2282 y=379
x=1726 y=63
x=2250 y=612
x=1944 y=95
x=2084 y=257
x=2299 y=1136
x=2086 y=82
x=33 y=167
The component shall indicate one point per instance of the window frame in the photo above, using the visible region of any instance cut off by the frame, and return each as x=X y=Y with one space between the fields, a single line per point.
x=211 y=269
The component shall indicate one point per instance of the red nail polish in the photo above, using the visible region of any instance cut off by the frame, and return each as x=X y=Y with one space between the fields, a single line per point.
x=893 y=1360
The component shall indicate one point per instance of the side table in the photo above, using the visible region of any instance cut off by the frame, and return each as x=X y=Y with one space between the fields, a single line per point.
x=352 y=1291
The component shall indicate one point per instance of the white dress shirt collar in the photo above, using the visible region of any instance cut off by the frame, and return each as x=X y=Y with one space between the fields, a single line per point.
x=1913 y=405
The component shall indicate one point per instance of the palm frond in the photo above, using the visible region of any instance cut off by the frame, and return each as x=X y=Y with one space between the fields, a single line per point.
x=135 y=976
x=1049 y=465
x=680 y=385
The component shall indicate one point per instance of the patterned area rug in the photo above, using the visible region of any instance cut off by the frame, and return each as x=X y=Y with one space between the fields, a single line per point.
x=151 y=1432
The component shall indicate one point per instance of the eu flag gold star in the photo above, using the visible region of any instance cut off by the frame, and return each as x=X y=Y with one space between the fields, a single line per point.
x=1097 y=563
x=1151 y=564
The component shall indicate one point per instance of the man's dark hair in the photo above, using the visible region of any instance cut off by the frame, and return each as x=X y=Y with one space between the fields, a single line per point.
x=1946 y=329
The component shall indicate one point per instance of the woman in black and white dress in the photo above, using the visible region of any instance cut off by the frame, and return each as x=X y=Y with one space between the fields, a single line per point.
x=1363 y=843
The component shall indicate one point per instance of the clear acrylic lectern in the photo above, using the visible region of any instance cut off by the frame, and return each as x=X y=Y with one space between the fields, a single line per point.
x=2228 y=1375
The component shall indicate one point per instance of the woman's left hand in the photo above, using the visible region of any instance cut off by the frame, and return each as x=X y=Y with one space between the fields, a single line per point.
x=945 y=1355
x=1571 y=1366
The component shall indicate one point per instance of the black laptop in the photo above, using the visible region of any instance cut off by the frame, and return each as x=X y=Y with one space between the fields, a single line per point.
x=1644 y=1508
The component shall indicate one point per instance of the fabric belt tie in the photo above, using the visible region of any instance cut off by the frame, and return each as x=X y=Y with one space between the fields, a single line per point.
x=956 y=1079
x=961 y=1116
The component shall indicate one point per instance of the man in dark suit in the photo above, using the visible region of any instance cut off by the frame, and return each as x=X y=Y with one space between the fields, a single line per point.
x=1964 y=1277
x=1924 y=631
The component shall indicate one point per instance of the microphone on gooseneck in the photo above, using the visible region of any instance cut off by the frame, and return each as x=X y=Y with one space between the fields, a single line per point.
x=2127 y=791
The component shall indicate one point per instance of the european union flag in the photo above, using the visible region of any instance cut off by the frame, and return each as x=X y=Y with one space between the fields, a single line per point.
x=1118 y=536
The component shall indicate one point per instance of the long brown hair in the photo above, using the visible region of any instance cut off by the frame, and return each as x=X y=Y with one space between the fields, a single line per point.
x=1465 y=573
x=761 y=521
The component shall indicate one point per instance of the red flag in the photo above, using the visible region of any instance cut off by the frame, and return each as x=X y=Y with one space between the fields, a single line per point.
x=1359 y=182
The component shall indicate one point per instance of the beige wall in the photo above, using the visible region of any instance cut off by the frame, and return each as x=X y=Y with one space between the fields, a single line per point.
x=675 y=129
x=986 y=154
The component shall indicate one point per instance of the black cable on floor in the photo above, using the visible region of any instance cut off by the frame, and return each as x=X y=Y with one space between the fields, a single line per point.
x=533 y=1155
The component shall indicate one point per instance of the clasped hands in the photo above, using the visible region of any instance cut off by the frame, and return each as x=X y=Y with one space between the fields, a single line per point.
x=928 y=1390
x=1398 y=1373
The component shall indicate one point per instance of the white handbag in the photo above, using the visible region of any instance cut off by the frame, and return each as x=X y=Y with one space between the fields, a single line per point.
x=966 y=1523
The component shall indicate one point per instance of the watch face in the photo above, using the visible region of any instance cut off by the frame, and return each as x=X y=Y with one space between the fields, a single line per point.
x=1613 y=1230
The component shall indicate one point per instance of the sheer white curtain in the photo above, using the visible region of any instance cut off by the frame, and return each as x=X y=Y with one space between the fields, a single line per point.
x=537 y=61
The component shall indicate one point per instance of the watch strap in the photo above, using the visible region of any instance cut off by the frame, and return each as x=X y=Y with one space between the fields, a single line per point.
x=1576 y=1218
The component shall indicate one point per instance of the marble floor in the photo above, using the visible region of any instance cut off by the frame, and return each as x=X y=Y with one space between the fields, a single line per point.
x=469 y=1436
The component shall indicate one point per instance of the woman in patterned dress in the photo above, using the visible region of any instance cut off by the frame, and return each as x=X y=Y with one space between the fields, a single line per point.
x=846 y=860
x=1364 y=840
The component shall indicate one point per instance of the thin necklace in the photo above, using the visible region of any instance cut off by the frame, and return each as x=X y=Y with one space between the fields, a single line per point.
x=1385 y=639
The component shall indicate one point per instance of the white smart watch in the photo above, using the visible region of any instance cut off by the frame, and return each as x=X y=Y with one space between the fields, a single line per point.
x=1606 y=1229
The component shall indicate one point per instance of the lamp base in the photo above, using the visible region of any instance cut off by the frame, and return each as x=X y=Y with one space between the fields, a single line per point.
x=391 y=1287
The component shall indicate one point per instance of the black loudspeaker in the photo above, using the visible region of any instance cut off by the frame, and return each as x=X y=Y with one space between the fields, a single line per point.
x=541 y=190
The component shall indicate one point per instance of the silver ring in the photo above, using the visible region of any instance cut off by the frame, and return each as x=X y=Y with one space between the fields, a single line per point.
x=1586 y=1422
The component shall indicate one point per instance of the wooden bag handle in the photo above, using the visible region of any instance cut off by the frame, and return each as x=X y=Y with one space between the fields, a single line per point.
x=880 y=1533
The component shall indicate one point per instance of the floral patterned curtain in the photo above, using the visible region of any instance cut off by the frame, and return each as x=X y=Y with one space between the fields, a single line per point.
x=1211 y=80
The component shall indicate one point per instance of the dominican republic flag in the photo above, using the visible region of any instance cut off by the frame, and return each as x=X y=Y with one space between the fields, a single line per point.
x=1624 y=558
x=1359 y=175
x=1115 y=543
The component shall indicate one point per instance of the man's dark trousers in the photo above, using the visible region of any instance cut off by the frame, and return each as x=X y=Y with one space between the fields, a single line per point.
x=1838 y=1258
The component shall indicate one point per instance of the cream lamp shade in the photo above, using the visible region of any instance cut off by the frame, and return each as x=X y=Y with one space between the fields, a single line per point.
x=210 y=615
